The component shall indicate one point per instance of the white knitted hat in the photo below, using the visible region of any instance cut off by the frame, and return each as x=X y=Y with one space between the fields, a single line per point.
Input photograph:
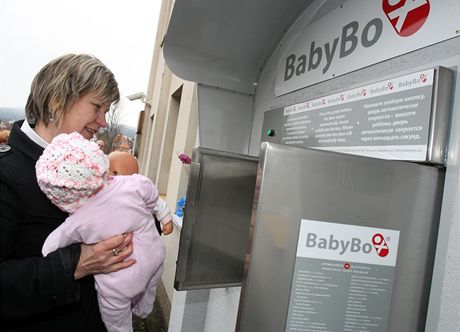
x=71 y=170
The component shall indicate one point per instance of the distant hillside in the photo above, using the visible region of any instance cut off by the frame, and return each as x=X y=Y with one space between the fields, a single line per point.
x=128 y=130
x=13 y=114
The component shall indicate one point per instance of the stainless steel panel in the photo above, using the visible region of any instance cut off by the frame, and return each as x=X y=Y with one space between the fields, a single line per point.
x=295 y=183
x=225 y=119
x=225 y=43
x=440 y=116
x=216 y=221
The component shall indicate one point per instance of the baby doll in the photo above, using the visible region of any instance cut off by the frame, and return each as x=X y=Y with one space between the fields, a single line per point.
x=123 y=163
x=74 y=174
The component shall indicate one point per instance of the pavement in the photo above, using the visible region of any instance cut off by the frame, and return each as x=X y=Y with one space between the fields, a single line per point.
x=158 y=320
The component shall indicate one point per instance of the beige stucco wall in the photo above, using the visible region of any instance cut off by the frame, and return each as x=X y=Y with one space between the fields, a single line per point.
x=169 y=128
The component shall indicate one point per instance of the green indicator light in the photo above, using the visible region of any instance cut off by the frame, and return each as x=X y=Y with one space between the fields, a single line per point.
x=270 y=132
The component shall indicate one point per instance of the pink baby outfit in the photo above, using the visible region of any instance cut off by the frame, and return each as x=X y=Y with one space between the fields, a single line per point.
x=124 y=205
x=73 y=173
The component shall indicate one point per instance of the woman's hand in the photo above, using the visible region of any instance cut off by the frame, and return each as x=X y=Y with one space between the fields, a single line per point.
x=105 y=256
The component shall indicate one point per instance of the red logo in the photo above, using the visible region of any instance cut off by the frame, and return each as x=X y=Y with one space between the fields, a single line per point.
x=406 y=16
x=380 y=245
x=346 y=266
x=390 y=85
x=423 y=78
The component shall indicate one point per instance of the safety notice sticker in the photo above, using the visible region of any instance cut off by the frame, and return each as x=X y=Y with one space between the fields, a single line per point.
x=343 y=278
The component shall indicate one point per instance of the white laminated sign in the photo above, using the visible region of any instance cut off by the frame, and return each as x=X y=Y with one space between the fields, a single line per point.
x=343 y=269
x=360 y=33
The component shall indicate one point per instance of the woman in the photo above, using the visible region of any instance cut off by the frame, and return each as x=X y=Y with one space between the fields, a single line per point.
x=53 y=293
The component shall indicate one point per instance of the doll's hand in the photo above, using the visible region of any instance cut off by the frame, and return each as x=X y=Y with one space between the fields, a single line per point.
x=168 y=228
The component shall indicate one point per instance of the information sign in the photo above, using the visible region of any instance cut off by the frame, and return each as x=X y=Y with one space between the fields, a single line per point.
x=343 y=278
x=388 y=119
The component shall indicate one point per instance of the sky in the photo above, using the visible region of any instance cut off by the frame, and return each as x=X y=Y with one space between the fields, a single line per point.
x=120 y=33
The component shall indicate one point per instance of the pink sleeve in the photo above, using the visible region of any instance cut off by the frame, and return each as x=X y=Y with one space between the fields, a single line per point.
x=66 y=234
x=147 y=190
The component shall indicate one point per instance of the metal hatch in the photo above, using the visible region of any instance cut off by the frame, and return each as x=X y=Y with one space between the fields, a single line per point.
x=216 y=221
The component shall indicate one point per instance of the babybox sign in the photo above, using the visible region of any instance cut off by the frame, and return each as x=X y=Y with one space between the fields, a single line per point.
x=341 y=242
x=361 y=33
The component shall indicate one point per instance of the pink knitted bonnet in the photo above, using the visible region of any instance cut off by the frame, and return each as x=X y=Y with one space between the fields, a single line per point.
x=71 y=170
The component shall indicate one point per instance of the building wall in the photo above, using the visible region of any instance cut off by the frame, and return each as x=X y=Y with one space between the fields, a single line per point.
x=206 y=310
x=169 y=128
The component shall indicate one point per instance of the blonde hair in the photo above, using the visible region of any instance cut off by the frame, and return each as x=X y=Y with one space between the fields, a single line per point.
x=60 y=83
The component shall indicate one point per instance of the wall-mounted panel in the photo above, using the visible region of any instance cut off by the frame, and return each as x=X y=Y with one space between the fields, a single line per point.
x=216 y=221
x=402 y=118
